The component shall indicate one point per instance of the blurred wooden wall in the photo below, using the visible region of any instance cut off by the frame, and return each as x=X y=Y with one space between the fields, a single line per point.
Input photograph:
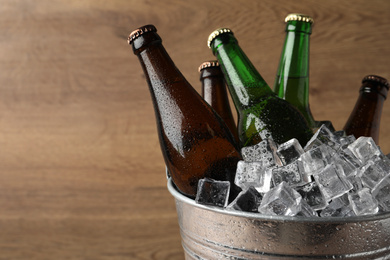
x=81 y=172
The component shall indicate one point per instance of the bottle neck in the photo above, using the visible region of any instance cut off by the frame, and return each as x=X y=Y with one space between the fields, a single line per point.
x=372 y=89
x=213 y=85
x=372 y=97
x=370 y=103
x=245 y=84
x=171 y=93
x=292 y=79
x=155 y=61
x=294 y=61
x=214 y=93
x=365 y=117
x=372 y=94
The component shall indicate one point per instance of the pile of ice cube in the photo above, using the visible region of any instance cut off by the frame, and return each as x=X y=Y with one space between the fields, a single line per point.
x=334 y=175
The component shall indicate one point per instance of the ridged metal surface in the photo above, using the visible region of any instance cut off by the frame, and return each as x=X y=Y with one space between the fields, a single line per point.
x=212 y=233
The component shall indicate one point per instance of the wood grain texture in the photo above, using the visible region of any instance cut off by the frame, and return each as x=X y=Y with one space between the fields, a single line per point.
x=82 y=175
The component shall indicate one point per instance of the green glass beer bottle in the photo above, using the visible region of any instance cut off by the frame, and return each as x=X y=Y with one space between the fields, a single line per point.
x=292 y=78
x=214 y=92
x=365 y=117
x=261 y=113
x=194 y=141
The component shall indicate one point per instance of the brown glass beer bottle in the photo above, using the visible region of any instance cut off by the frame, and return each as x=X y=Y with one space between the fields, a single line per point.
x=215 y=93
x=194 y=141
x=365 y=117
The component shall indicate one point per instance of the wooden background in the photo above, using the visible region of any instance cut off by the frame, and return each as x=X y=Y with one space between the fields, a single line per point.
x=81 y=172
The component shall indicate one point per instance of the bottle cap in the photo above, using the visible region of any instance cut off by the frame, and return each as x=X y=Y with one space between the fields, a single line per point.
x=376 y=79
x=299 y=17
x=208 y=64
x=138 y=32
x=216 y=33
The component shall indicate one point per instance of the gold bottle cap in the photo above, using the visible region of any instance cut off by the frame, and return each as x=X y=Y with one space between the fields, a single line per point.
x=216 y=33
x=138 y=32
x=377 y=79
x=208 y=64
x=299 y=17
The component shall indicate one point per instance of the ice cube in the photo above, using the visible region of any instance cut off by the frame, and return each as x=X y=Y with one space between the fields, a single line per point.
x=349 y=156
x=347 y=140
x=264 y=152
x=248 y=200
x=371 y=174
x=322 y=136
x=362 y=202
x=252 y=174
x=364 y=148
x=306 y=210
x=339 y=134
x=356 y=182
x=289 y=151
x=332 y=181
x=281 y=200
x=347 y=161
x=381 y=193
x=338 y=207
x=311 y=193
x=292 y=173
x=328 y=124
x=383 y=162
x=248 y=174
x=315 y=159
x=213 y=192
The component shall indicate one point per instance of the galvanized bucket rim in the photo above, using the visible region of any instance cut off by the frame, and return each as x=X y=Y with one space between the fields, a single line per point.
x=178 y=196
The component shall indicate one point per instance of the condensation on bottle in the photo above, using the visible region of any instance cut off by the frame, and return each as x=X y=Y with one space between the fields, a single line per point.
x=365 y=117
x=214 y=92
x=261 y=113
x=194 y=141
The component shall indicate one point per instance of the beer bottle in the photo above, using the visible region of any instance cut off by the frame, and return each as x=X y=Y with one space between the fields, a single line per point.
x=261 y=113
x=214 y=92
x=195 y=142
x=365 y=117
x=292 y=78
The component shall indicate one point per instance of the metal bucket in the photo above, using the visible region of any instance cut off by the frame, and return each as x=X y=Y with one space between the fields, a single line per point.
x=213 y=233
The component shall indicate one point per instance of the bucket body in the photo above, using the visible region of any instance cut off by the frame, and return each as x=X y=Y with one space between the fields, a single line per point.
x=213 y=233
